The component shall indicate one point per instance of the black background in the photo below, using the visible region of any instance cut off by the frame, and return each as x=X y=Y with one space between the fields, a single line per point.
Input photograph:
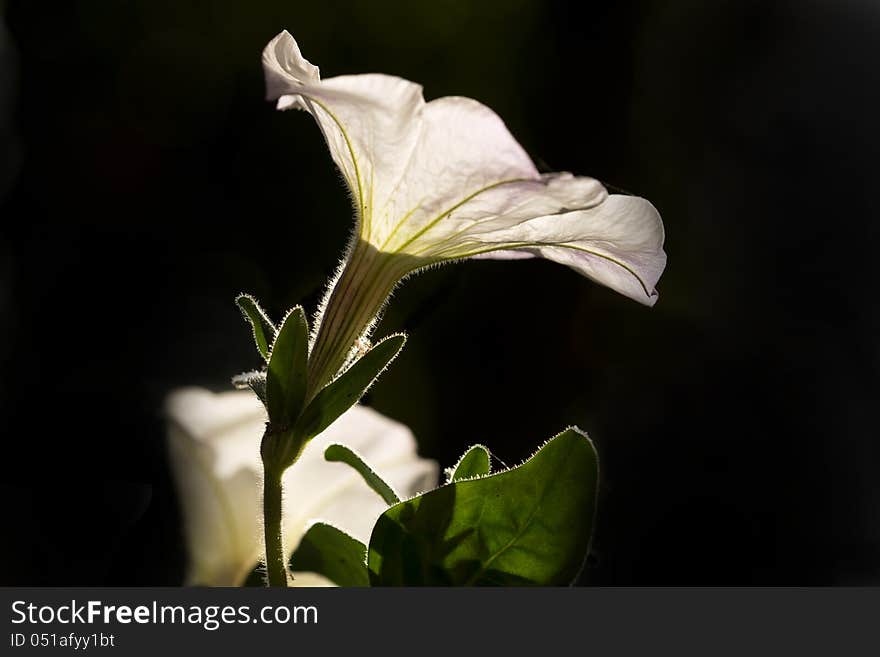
x=145 y=182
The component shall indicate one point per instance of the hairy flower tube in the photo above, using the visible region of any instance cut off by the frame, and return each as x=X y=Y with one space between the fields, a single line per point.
x=441 y=181
x=213 y=442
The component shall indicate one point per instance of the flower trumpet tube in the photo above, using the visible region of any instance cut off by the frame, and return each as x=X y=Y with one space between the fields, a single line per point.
x=445 y=180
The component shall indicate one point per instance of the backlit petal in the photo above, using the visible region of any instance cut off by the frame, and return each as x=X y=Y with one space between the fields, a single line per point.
x=618 y=243
x=370 y=122
x=445 y=180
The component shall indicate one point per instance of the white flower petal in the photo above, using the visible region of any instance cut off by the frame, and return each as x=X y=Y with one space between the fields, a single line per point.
x=214 y=441
x=618 y=243
x=464 y=152
x=311 y=580
x=369 y=121
x=446 y=179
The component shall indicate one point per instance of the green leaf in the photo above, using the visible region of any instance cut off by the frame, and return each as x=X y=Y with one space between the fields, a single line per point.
x=530 y=525
x=342 y=454
x=474 y=463
x=286 y=373
x=264 y=329
x=344 y=392
x=331 y=552
x=325 y=550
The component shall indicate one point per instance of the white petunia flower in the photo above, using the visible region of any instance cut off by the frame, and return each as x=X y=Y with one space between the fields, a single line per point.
x=445 y=180
x=214 y=443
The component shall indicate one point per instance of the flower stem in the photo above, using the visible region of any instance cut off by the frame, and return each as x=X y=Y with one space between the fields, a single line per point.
x=276 y=568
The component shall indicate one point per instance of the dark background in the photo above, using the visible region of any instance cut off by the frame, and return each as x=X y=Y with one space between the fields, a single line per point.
x=145 y=182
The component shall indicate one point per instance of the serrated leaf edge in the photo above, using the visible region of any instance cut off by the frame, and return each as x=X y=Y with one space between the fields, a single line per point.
x=574 y=428
x=451 y=470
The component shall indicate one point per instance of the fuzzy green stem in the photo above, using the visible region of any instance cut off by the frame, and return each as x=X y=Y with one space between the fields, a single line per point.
x=276 y=568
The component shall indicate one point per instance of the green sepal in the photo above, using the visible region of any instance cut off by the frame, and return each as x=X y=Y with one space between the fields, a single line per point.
x=331 y=552
x=256 y=381
x=263 y=328
x=287 y=369
x=342 y=454
x=475 y=462
x=530 y=525
x=345 y=391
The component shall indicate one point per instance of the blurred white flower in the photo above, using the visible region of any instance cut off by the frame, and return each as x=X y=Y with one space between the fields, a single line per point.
x=214 y=443
x=445 y=180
